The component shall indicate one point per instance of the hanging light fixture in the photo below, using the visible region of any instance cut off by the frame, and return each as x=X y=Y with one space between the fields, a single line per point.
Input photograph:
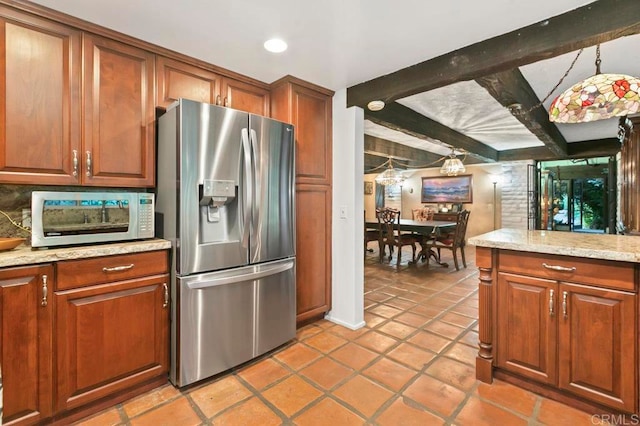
x=452 y=165
x=391 y=176
x=598 y=97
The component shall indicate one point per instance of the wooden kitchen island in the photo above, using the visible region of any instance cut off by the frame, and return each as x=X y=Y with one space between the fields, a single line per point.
x=558 y=315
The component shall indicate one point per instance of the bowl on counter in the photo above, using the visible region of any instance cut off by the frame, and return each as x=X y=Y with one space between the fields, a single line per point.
x=10 y=243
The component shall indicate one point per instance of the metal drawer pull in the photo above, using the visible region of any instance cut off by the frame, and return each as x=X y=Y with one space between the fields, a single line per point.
x=45 y=291
x=550 y=302
x=117 y=268
x=559 y=268
x=166 y=295
x=564 y=304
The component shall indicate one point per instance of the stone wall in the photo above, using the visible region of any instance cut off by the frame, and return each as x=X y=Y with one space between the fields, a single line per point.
x=514 y=195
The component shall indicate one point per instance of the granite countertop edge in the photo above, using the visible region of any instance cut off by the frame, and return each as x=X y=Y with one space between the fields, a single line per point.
x=622 y=248
x=25 y=255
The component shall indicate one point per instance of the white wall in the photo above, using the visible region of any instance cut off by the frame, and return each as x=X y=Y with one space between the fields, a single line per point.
x=514 y=194
x=348 y=194
x=481 y=218
x=347 y=232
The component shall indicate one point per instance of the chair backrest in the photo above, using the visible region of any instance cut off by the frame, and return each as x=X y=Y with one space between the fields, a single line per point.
x=461 y=228
x=389 y=221
x=422 y=214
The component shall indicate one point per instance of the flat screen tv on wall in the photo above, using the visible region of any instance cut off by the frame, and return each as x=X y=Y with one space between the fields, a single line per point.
x=447 y=189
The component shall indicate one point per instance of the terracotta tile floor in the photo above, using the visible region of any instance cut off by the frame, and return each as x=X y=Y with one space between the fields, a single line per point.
x=413 y=364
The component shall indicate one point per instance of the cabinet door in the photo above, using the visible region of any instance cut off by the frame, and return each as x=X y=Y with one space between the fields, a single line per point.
x=312 y=120
x=119 y=114
x=309 y=109
x=527 y=312
x=245 y=97
x=110 y=337
x=40 y=100
x=180 y=80
x=597 y=347
x=628 y=172
x=25 y=344
x=313 y=249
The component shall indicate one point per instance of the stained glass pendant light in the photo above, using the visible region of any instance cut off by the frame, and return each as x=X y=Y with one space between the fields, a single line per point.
x=596 y=98
x=452 y=165
x=391 y=176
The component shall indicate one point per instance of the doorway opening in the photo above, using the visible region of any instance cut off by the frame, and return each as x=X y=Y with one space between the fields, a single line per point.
x=577 y=195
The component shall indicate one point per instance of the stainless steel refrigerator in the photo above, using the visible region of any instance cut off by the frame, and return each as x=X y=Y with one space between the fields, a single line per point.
x=225 y=199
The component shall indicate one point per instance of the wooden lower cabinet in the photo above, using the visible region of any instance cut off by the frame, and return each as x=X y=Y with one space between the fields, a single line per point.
x=597 y=345
x=68 y=352
x=527 y=334
x=110 y=337
x=26 y=310
x=577 y=338
x=313 y=251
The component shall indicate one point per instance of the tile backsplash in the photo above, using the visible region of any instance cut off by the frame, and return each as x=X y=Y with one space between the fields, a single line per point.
x=14 y=198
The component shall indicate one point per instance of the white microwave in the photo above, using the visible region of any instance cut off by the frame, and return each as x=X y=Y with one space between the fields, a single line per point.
x=68 y=218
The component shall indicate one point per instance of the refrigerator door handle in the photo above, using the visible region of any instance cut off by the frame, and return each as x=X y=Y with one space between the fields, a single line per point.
x=248 y=199
x=213 y=282
x=256 y=202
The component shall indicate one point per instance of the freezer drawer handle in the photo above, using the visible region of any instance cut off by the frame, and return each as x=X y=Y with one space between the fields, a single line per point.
x=239 y=278
x=117 y=268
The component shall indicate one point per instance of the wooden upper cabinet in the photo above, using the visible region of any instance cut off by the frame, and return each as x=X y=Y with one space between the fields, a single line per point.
x=181 y=80
x=119 y=118
x=308 y=108
x=245 y=97
x=40 y=69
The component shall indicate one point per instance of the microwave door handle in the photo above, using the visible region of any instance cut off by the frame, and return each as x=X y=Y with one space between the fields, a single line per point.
x=249 y=185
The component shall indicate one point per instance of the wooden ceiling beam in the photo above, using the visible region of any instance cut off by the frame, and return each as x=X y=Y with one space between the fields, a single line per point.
x=594 y=23
x=511 y=88
x=585 y=149
x=412 y=156
x=398 y=117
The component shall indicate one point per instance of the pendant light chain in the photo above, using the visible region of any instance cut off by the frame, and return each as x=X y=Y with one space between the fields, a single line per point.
x=517 y=110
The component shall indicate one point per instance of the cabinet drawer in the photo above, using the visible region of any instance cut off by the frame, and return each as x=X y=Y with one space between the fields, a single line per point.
x=83 y=272
x=601 y=273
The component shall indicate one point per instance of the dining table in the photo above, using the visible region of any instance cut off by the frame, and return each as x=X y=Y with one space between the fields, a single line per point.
x=432 y=228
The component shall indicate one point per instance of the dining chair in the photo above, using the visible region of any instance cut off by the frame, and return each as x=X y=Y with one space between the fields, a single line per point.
x=369 y=236
x=454 y=241
x=422 y=214
x=390 y=235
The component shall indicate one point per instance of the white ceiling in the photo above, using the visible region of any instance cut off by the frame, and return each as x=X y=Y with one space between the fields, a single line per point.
x=333 y=43
x=338 y=43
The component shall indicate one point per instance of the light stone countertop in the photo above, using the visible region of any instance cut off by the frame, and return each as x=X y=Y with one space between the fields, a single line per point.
x=25 y=255
x=624 y=248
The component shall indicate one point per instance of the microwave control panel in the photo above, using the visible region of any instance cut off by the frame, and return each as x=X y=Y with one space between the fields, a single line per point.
x=146 y=227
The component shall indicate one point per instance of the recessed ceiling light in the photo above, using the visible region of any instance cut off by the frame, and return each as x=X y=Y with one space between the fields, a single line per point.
x=275 y=45
x=375 y=105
